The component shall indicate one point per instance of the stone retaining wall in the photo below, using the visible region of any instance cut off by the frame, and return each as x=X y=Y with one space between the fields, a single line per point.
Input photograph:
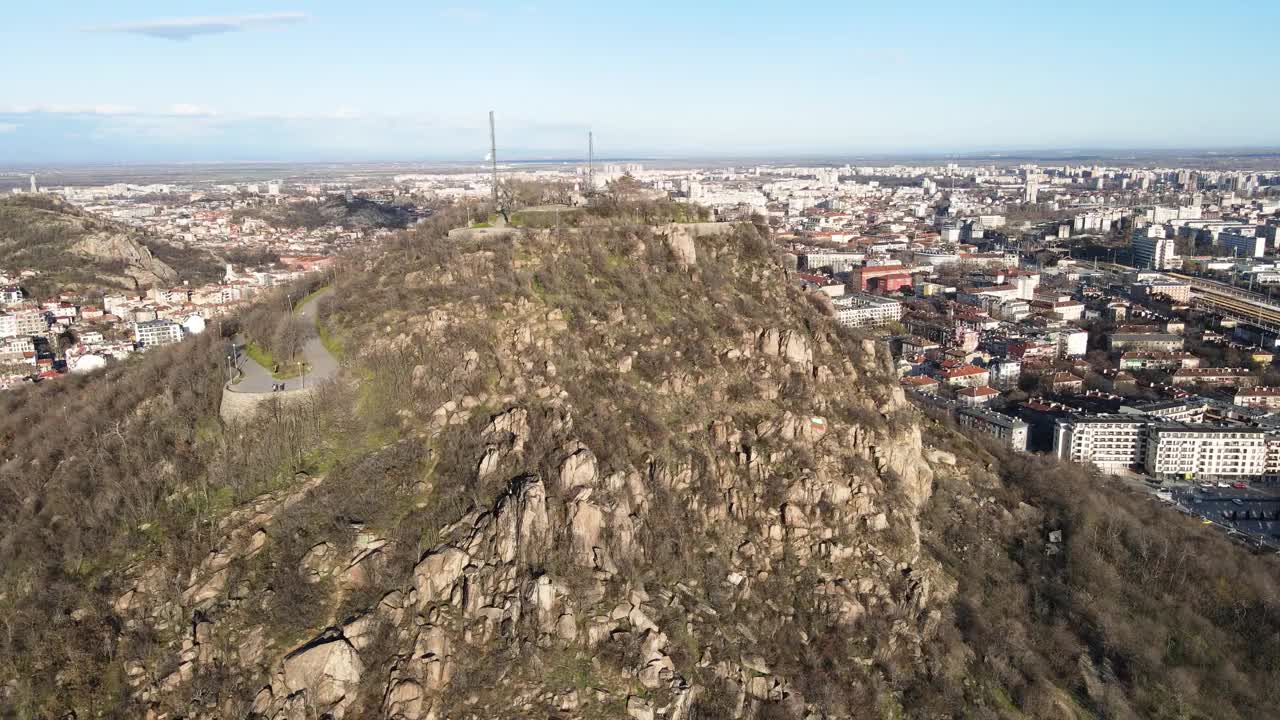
x=240 y=406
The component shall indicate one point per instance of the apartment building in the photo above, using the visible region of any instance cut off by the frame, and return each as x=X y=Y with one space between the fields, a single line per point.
x=1194 y=452
x=1168 y=410
x=23 y=322
x=965 y=376
x=1152 y=250
x=1113 y=443
x=17 y=350
x=1168 y=287
x=861 y=310
x=1009 y=430
x=1071 y=343
x=153 y=333
x=1272 y=471
x=1241 y=245
x=1158 y=360
x=1153 y=342
x=977 y=396
x=1215 y=376
x=1260 y=397
x=838 y=262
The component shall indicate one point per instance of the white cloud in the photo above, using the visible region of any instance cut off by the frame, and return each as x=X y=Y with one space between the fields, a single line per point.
x=9 y=127
x=187 y=28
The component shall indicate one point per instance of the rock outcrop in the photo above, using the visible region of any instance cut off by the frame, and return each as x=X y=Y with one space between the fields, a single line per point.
x=137 y=261
x=43 y=233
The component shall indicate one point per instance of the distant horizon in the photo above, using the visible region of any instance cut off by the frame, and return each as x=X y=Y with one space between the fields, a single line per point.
x=1117 y=154
x=336 y=82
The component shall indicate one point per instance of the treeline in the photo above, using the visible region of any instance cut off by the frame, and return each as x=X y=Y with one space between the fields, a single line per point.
x=102 y=470
x=271 y=322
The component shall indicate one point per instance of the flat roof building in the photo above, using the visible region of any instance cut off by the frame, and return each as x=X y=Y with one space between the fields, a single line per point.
x=1193 y=452
x=1113 y=443
x=1009 y=430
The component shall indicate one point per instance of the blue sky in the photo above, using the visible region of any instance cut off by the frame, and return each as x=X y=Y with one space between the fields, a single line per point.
x=152 y=80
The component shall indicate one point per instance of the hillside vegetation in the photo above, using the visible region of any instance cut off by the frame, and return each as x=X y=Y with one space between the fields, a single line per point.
x=357 y=213
x=613 y=471
x=73 y=250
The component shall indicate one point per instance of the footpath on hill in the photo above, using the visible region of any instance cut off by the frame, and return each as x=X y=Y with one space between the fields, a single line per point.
x=321 y=364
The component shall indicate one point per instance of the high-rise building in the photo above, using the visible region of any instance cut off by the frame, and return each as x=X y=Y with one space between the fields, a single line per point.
x=34 y=188
x=1113 y=443
x=1031 y=189
x=1152 y=250
x=1242 y=245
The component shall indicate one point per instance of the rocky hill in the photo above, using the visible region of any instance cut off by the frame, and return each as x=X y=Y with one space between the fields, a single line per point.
x=602 y=473
x=356 y=213
x=73 y=249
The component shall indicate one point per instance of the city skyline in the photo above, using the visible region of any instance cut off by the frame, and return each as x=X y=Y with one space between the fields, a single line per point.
x=323 y=81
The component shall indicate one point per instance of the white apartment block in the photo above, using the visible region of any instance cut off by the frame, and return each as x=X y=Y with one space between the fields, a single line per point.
x=1199 y=452
x=1114 y=443
x=1072 y=343
x=16 y=349
x=23 y=322
x=861 y=310
x=837 y=261
x=157 y=332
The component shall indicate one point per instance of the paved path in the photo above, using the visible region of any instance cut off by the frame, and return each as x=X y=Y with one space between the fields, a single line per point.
x=322 y=364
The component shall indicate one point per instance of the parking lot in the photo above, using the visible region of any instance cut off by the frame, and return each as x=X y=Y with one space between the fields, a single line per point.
x=1250 y=514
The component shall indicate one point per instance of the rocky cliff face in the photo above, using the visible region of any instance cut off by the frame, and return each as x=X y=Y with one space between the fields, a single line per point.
x=121 y=248
x=644 y=532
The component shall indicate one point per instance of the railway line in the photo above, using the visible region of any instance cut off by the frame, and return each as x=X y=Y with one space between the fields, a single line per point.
x=1233 y=302
x=1224 y=299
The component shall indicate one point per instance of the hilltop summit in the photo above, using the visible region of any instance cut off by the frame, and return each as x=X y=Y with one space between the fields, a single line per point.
x=43 y=233
x=618 y=470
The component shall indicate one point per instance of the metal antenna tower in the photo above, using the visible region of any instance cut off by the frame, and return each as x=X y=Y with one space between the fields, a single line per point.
x=493 y=156
x=591 y=156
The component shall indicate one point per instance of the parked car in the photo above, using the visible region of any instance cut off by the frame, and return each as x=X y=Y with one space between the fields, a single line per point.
x=1239 y=485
